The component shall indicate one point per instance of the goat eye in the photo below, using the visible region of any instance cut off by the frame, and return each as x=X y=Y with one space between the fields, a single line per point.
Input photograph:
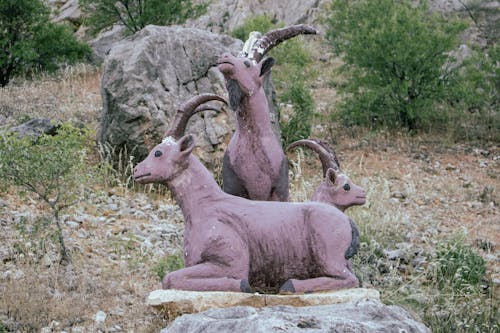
x=247 y=63
x=158 y=153
x=347 y=187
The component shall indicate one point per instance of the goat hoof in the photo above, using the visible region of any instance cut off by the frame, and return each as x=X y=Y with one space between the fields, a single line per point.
x=245 y=286
x=287 y=287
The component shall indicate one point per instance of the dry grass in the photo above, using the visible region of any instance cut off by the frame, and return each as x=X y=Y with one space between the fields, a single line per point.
x=72 y=95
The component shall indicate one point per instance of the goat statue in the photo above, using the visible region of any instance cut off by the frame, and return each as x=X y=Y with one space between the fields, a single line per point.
x=337 y=189
x=254 y=165
x=235 y=244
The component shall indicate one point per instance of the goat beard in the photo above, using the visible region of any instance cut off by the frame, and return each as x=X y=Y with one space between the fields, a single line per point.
x=235 y=93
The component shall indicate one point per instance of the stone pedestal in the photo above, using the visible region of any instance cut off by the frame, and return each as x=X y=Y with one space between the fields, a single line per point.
x=174 y=303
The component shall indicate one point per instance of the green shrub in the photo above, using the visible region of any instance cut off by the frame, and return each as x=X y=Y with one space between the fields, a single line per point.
x=136 y=14
x=298 y=126
x=30 y=42
x=397 y=62
x=474 y=97
x=54 y=168
x=457 y=266
x=172 y=263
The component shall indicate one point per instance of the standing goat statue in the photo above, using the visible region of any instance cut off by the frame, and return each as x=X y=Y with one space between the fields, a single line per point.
x=254 y=165
x=235 y=244
x=337 y=189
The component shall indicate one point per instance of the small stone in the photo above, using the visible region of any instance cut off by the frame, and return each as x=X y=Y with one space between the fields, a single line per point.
x=483 y=164
x=113 y=207
x=394 y=201
x=398 y=195
x=451 y=167
x=77 y=329
x=73 y=224
x=100 y=317
x=393 y=254
x=419 y=298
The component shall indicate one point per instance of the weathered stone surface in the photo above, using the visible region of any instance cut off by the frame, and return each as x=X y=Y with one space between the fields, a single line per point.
x=35 y=127
x=146 y=78
x=105 y=40
x=368 y=315
x=178 y=302
x=228 y=14
x=70 y=11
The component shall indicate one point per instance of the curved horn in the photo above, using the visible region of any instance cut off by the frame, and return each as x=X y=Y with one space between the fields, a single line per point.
x=188 y=109
x=275 y=37
x=326 y=154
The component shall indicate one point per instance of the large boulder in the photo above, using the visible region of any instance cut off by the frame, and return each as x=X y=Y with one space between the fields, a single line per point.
x=147 y=76
x=361 y=316
x=226 y=15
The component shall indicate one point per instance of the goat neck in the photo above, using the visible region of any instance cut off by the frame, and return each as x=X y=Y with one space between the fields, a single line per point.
x=194 y=187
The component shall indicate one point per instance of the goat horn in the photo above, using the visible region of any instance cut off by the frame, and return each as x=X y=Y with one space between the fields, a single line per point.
x=275 y=37
x=190 y=108
x=326 y=154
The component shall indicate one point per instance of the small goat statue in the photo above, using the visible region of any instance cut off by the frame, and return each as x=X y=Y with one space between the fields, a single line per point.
x=188 y=109
x=235 y=244
x=337 y=189
x=254 y=165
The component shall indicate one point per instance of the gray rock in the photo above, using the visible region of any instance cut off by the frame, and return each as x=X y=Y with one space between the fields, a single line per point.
x=100 y=317
x=35 y=128
x=147 y=76
x=73 y=224
x=69 y=11
x=359 y=316
x=226 y=15
x=104 y=41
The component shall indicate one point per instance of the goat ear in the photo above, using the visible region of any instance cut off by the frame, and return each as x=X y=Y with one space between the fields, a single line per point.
x=331 y=176
x=186 y=144
x=266 y=66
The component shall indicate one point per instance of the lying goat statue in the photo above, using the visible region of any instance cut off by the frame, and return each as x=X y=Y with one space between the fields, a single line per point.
x=254 y=165
x=235 y=244
x=337 y=189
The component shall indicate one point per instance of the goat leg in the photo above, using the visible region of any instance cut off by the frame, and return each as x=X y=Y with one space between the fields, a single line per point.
x=205 y=277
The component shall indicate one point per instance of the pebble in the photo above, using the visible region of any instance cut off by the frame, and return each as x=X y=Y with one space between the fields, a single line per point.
x=100 y=317
x=113 y=207
x=73 y=224
x=398 y=195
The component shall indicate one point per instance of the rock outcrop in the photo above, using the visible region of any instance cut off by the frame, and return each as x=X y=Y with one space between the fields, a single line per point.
x=356 y=315
x=148 y=75
x=226 y=15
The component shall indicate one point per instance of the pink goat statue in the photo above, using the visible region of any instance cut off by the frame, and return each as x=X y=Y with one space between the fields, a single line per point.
x=337 y=189
x=254 y=165
x=188 y=109
x=235 y=244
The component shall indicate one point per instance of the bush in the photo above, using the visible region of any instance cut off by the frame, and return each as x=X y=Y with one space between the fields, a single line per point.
x=458 y=267
x=474 y=96
x=396 y=58
x=54 y=168
x=136 y=14
x=173 y=263
x=30 y=42
x=298 y=126
x=292 y=59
